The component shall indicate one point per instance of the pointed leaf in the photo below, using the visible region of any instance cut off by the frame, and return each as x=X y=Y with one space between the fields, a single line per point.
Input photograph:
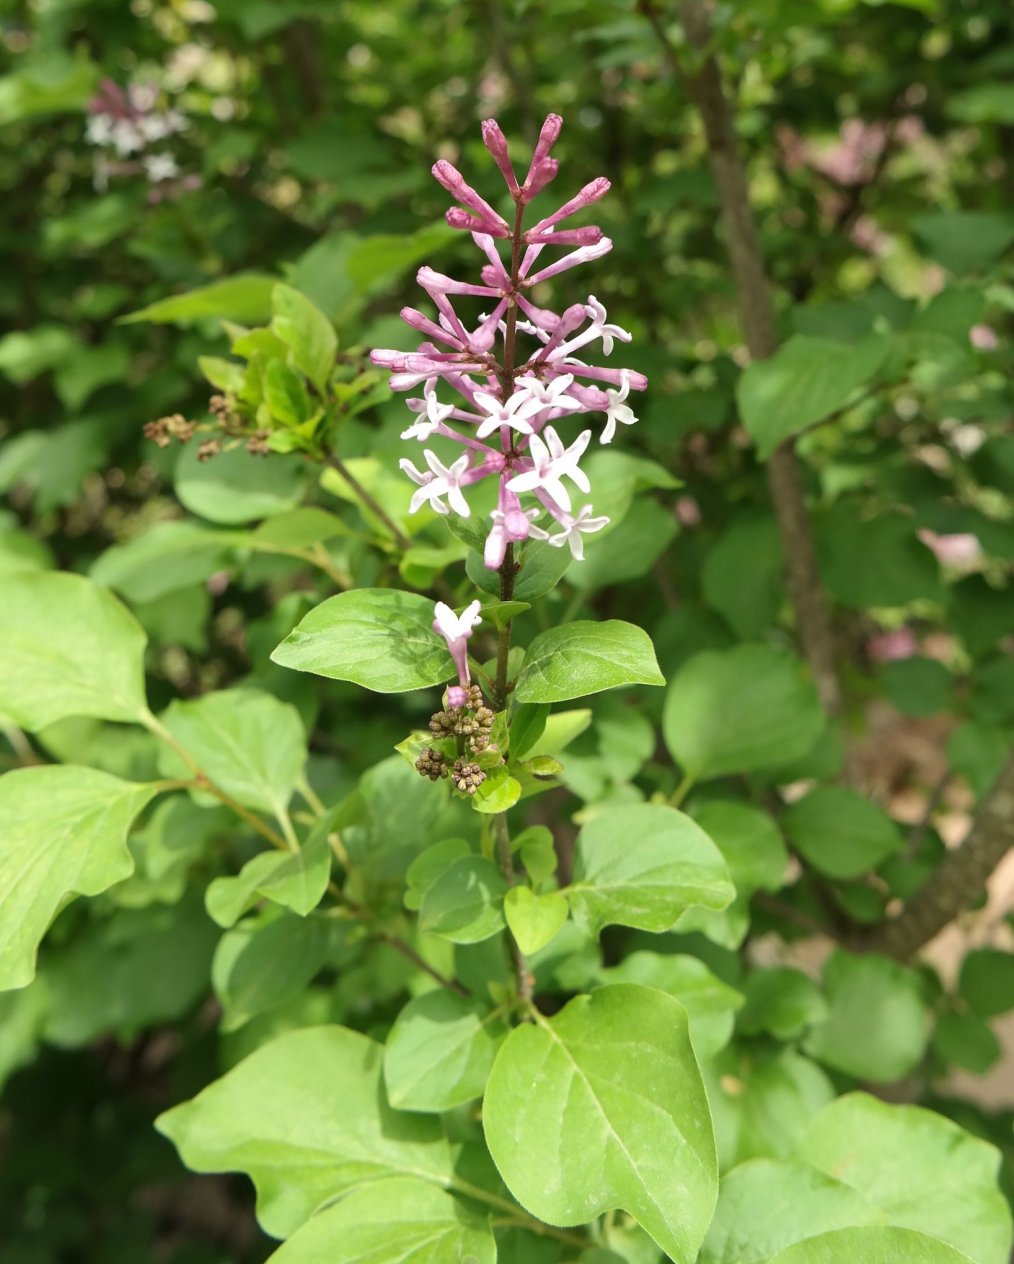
x=534 y=920
x=871 y=1245
x=582 y=658
x=642 y=865
x=67 y=647
x=63 y=832
x=306 y=1117
x=375 y=637
x=440 y=1052
x=573 y=1091
x=398 y=1221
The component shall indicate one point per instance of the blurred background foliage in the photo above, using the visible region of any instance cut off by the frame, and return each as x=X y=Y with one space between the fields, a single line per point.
x=290 y=140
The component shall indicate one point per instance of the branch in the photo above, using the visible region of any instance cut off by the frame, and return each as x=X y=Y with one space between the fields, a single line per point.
x=756 y=313
x=960 y=877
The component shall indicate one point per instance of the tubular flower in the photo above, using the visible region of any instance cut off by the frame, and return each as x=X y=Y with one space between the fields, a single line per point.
x=500 y=382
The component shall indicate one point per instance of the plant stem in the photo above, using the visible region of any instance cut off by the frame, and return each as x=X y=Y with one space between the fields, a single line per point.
x=410 y=954
x=960 y=877
x=682 y=790
x=203 y=782
x=21 y=746
x=337 y=464
x=522 y=975
x=705 y=88
x=518 y=1215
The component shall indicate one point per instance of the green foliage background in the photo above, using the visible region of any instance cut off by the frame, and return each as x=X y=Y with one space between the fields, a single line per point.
x=311 y=127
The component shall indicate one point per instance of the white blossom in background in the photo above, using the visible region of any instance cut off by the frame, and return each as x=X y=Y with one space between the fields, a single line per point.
x=505 y=413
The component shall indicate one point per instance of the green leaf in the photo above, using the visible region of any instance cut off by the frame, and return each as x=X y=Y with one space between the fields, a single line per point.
x=542 y=568
x=739 y=710
x=571 y=1090
x=643 y=865
x=263 y=963
x=781 y=1001
x=236 y=487
x=766 y=1205
x=429 y=865
x=248 y=743
x=534 y=920
x=870 y=1245
x=375 y=637
x=527 y=724
x=921 y=1170
x=298 y=529
x=965 y=241
x=582 y=658
x=710 y=1003
x=297 y=880
x=749 y=842
x=497 y=793
x=63 y=832
x=285 y=394
x=804 y=382
x=742 y=575
x=841 y=833
x=465 y=903
x=165 y=558
x=306 y=1117
x=877 y=561
x=401 y=1219
x=245 y=299
x=67 y=647
x=440 y=1052
x=965 y=1041
x=878 y=1024
x=986 y=982
x=307 y=332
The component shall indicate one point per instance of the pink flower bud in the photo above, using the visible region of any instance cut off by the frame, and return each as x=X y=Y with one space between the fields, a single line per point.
x=454 y=182
x=569 y=237
x=589 y=194
x=457 y=218
x=495 y=141
x=539 y=177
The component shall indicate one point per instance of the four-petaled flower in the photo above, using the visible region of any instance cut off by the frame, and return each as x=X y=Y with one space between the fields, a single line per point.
x=551 y=394
x=552 y=461
x=440 y=480
x=514 y=413
x=617 y=410
x=573 y=527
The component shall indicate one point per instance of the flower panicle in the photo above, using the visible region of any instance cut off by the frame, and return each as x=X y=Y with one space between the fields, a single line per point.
x=513 y=403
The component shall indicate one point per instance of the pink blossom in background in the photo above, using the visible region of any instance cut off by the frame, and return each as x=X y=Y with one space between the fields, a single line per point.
x=961 y=549
x=891 y=647
x=512 y=414
x=983 y=337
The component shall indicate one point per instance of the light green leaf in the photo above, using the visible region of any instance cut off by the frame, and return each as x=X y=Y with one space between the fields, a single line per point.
x=307 y=332
x=67 y=647
x=429 y=865
x=298 y=529
x=63 y=832
x=534 y=920
x=398 y=1221
x=806 y=380
x=497 y=793
x=295 y=880
x=749 y=842
x=920 y=1169
x=306 y=1117
x=878 y=1023
x=248 y=743
x=710 y=1003
x=738 y=710
x=165 y=558
x=870 y=1245
x=265 y=962
x=236 y=487
x=768 y=1204
x=285 y=394
x=465 y=903
x=781 y=1001
x=965 y=241
x=742 y=575
x=642 y=865
x=440 y=1051
x=245 y=298
x=376 y=637
x=841 y=833
x=572 y=1091
x=582 y=658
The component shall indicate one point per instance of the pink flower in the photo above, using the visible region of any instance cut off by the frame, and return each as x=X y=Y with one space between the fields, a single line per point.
x=456 y=629
x=961 y=549
x=983 y=337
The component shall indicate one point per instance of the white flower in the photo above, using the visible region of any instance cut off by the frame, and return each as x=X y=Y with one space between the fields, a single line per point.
x=551 y=462
x=436 y=415
x=597 y=315
x=99 y=129
x=440 y=480
x=514 y=413
x=551 y=394
x=160 y=167
x=617 y=410
x=455 y=627
x=573 y=528
x=125 y=137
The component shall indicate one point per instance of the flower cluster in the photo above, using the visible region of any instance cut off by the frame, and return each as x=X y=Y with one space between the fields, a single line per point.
x=127 y=123
x=522 y=401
